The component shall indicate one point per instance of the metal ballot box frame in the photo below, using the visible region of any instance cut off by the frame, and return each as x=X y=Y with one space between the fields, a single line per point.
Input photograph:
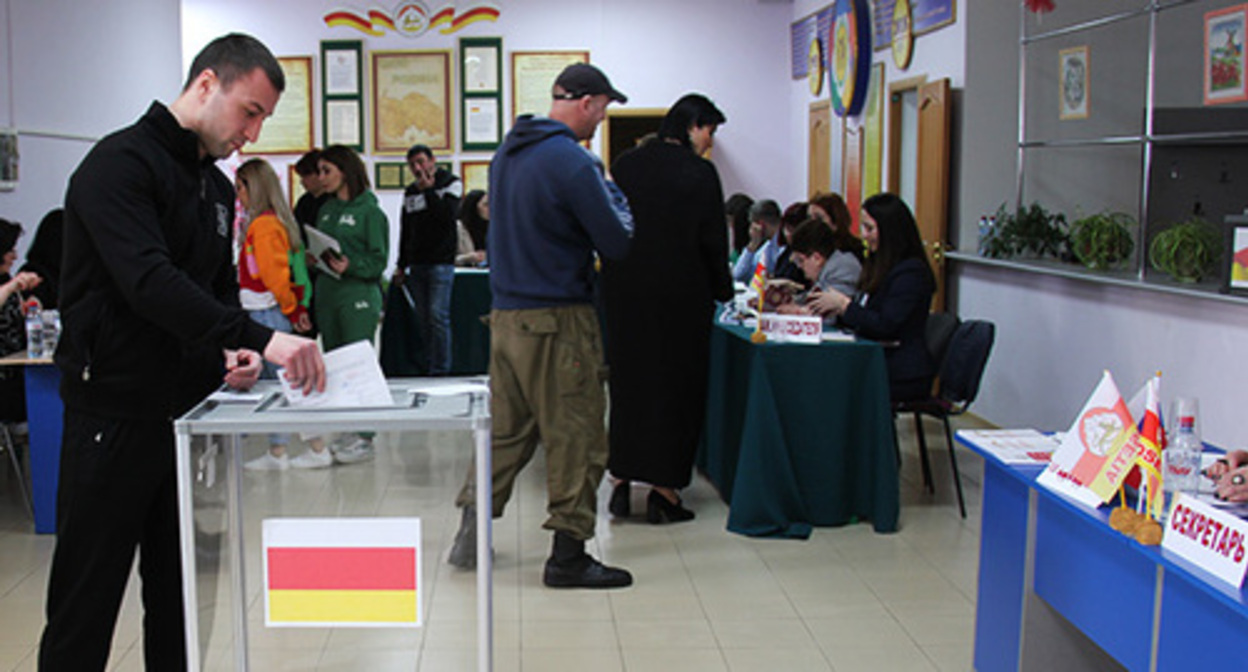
x=417 y=407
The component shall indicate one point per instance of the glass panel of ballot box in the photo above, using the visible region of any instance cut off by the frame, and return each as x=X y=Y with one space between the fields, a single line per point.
x=323 y=568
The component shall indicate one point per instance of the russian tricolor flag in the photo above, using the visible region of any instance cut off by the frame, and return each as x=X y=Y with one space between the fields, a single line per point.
x=342 y=572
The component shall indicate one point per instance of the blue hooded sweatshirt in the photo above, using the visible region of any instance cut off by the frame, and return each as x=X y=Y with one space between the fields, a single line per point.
x=550 y=208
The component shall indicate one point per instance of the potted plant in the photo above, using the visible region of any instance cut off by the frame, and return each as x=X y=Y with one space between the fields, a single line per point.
x=1030 y=232
x=1103 y=240
x=1187 y=250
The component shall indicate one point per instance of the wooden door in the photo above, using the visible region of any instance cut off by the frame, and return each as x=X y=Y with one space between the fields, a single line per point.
x=819 y=159
x=931 y=206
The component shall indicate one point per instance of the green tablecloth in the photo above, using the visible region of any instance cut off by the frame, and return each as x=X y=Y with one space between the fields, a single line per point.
x=470 y=338
x=799 y=435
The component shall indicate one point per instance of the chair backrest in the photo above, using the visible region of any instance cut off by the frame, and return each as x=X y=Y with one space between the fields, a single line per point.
x=965 y=361
x=940 y=328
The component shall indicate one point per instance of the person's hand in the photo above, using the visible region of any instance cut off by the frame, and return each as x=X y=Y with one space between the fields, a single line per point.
x=339 y=263
x=242 y=368
x=478 y=257
x=23 y=282
x=399 y=276
x=830 y=302
x=1233 y=485
x=1233 y=460
x=300 y=321
x=756 y=236
x=792 y=309
x=424 y=178
x=305 y=369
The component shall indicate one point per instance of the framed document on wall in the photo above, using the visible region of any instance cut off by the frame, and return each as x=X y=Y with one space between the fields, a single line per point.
x=289 y=130
x=342 y=97
x=392 y=175
x=481 y=92
x=411 y=100
x=476 y=175
x=532 y=75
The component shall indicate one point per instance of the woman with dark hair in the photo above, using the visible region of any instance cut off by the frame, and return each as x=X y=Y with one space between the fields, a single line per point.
x=348 y=307
x=737 y=212
x=474 y=212
x=894 y=295
x=12 y=323
x=786 y=268
x=829 y=208
x=659 y=304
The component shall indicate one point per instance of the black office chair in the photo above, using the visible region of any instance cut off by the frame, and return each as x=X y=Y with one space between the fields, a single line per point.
x=938 y=332
x=960 y=372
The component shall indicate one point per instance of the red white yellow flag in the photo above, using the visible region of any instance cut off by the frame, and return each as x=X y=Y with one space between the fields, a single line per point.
x=759 y=282
x=1145 y=407
x=342 y=572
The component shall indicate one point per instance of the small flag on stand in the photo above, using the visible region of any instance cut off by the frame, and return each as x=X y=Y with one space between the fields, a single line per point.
x=759 y=285
x=1153 y=441
x=361 y=572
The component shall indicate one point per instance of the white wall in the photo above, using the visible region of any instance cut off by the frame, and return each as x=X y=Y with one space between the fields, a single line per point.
x=734 y=51
x=70 y=72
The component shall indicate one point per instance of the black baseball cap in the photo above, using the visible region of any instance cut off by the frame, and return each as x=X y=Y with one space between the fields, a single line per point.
x=583 y=79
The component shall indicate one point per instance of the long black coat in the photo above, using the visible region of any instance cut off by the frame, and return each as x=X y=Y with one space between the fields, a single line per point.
x=659 y=304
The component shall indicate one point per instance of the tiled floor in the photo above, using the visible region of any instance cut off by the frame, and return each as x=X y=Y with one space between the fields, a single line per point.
x=704 y=599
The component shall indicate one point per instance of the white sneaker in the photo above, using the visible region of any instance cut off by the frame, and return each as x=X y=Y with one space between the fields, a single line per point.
x=359 y=450
x=269 y=462
x=313 y=460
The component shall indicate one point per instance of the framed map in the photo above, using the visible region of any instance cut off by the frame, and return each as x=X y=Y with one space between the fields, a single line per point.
x=411 y=100
x=289 y=130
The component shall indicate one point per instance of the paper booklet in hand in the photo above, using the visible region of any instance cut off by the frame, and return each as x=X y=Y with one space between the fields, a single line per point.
x=321 y=248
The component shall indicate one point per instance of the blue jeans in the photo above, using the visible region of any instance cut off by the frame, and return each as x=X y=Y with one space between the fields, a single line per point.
x=430 y=287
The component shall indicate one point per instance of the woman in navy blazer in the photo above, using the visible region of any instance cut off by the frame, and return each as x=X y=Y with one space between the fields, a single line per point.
x=894 y=296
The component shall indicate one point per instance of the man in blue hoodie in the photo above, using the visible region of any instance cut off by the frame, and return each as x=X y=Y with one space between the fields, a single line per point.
x=551 y=208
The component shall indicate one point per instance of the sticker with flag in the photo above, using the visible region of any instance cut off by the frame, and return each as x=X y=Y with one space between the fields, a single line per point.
x=1145 y=406
x=1098 y=450
x=342 y=572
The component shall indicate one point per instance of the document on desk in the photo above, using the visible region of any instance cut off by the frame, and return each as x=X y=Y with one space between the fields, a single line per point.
x=1013 y=446
x=353 y=379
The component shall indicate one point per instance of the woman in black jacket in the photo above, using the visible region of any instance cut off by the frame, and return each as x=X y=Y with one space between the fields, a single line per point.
x=894 y=296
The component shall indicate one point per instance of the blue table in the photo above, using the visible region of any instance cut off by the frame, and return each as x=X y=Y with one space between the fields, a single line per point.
x=1043 y=556
x=799 y=435
x=44 y=414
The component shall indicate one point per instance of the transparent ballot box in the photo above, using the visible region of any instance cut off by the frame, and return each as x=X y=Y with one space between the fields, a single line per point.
x=370 y=521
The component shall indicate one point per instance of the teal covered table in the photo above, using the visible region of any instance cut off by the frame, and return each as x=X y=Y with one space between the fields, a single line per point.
x=799 y=435
x=470 y=338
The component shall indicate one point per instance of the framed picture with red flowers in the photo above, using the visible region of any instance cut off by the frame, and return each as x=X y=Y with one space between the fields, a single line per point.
x=1224 y=55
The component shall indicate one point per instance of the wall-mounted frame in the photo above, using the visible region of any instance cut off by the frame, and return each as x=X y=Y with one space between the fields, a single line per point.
x=411 y=100
x=481 y=92
x=392 y=175
x=294 y=186
x=475 y=174
x=925 y=17
x=289 y=130
x=1074 y=76
x=1225 y=80
x=533 y=73
x=342 y=94
x=9 y=159
x=1237 y=254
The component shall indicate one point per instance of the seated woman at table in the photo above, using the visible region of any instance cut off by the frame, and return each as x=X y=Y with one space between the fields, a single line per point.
x=894 y=296
x=786 y=267
x=12 y=323
x=474 y=221
x=815 y=249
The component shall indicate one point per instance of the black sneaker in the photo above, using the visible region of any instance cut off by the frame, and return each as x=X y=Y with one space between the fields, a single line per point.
x=464 y=551
x=585 y=572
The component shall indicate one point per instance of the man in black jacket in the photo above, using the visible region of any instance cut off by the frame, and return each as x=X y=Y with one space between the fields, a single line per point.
x=149 y=303
x=427 y=244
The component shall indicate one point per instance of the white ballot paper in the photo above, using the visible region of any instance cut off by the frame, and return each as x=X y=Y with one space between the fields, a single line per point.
x=322 y=247
x=353 y=379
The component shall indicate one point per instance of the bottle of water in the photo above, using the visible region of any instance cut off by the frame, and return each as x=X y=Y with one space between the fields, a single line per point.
x=1181 y=458
x=34 y=332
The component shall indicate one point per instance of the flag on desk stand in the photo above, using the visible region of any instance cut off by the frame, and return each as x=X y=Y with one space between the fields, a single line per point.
x=1145 y=406
x=759 y=285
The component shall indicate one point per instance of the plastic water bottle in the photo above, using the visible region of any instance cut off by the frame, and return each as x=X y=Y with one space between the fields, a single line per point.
x=34 y=332
x=1181 y=457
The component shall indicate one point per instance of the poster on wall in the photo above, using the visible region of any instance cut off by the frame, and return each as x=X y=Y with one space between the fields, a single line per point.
x=1072 y=81
x=925 y=17
x=1237 y=277
x=411 y=100
x=289 y=130
x=804 y=31
x=533 y=74
x=1224 y=55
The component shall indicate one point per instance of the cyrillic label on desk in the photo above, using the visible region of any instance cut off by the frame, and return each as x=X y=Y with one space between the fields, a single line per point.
x=1212 y=539
x=792 y=328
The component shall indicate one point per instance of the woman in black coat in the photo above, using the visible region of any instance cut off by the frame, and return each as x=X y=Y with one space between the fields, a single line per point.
x=894 y=296
x=660 y=304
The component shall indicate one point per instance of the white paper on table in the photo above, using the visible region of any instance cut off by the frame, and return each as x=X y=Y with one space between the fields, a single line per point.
x=1013 y=446
x=230 y=395
x=318 y=244
x=353 y=379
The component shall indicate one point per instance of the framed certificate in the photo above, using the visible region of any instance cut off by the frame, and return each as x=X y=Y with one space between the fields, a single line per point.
x=411 y=100
x=476 y=175
x=533 y=74
x=344 y=125
x=342 y=100
x=481 y=94
x=289 y=130
x=341 y=63
x=392 y=175
x=480 y=63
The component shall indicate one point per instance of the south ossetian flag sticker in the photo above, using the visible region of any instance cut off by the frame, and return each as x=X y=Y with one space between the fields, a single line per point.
x=342 y=572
